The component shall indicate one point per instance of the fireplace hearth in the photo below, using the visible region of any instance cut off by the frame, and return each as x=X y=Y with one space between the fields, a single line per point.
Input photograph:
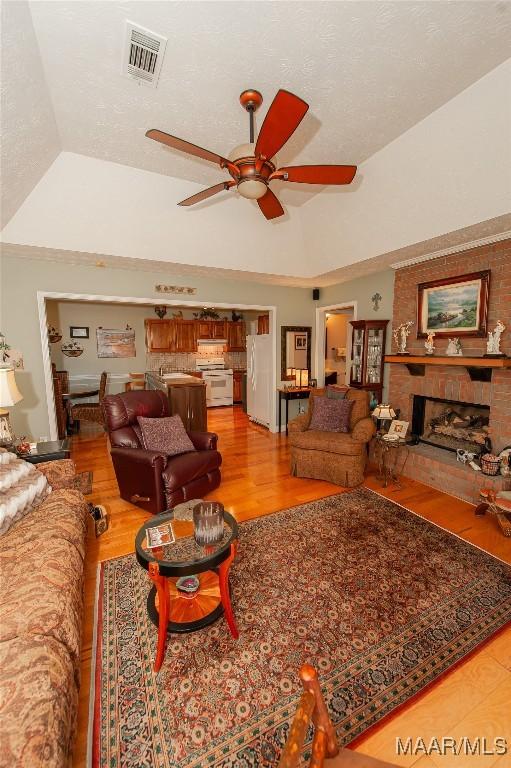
x=451 y=424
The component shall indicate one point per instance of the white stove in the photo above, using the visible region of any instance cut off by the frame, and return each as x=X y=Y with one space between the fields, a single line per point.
x=218 y=380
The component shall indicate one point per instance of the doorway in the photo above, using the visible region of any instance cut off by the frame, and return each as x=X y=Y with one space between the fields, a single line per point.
x=43 y=297
x=333 y=343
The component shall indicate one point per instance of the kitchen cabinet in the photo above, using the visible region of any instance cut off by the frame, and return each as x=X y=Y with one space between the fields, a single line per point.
x=219 y=329
x=236 y=337
x=189 y=401
x=187 y=398
x=367 y=354
x=237 y=379
x=211 y=329
x=263 y=324
x=159 y=335
x=186 y=335
x=203 y=329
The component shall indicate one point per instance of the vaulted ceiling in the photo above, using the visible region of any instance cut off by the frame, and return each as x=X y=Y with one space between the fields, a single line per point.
x=369 y=70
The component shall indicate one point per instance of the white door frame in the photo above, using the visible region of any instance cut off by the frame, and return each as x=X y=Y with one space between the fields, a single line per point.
x=43 y=296
x=319 y=357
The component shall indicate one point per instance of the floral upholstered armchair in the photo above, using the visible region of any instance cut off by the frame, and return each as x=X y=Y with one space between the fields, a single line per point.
x=338 y=457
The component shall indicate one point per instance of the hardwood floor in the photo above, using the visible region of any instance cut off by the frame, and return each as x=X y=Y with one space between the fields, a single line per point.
x=471 y=701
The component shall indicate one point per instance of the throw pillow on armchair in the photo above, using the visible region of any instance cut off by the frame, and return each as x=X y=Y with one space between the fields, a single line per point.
x=166 y=434
x=331 y=415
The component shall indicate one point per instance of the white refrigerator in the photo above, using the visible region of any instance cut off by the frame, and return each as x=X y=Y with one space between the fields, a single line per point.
x=259 y=378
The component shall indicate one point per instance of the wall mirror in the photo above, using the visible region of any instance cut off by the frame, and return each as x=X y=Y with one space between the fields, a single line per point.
x=295 y=345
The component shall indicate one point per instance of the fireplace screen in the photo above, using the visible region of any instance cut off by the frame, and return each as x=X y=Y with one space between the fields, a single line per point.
x=451 y=425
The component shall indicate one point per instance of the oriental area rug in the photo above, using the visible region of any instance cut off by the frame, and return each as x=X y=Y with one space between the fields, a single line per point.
x=379 y=600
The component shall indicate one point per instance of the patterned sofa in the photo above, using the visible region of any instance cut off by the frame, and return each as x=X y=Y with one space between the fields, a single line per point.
x=41 y=605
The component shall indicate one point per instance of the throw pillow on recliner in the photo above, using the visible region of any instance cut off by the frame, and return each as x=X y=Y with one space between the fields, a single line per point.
x=331 y=415
x=166 y=434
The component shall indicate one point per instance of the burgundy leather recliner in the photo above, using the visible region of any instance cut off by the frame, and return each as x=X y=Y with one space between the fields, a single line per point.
x=150 y=479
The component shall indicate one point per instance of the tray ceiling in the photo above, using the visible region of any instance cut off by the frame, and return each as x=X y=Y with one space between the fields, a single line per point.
x=369 y=70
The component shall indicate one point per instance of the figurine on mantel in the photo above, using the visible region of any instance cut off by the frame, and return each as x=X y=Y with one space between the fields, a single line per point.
x=401 y=335
x=430 y=344
x=493 y=343
x=454 y=348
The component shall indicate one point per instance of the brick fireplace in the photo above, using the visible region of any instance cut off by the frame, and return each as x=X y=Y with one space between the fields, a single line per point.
x=431 y=463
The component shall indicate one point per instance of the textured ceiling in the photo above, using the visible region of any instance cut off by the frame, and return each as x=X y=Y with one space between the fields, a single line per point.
x=30 y=141
x=369 y=70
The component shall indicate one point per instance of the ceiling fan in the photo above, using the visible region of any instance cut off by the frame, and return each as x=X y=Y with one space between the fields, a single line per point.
x=253 y=166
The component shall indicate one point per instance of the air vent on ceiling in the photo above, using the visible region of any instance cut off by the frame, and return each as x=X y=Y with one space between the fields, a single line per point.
x=143 y=54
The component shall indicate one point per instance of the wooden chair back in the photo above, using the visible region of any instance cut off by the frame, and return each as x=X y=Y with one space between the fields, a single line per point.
x=325 y=749
x=102 y=385
x=137 y=381
x=60 y=411
x=311 y=707
x=64 y=379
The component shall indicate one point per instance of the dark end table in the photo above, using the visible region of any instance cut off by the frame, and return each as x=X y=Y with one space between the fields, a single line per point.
x=172 y=610
x=53 y=450
x=291 y=393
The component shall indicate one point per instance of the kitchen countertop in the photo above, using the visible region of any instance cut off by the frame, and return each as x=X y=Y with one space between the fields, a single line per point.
x=175 y=377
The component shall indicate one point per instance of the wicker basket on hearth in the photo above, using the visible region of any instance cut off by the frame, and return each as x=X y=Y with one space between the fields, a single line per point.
x=490 y=464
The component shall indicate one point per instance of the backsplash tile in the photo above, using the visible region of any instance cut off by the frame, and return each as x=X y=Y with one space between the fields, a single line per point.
x=186 y=361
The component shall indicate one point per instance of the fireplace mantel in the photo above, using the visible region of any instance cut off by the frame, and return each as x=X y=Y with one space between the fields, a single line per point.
x=479 y=368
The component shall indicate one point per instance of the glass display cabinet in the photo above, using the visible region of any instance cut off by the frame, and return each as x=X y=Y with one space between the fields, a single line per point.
x=367 y=355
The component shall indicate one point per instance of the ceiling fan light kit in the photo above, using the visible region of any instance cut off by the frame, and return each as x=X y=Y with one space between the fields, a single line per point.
x=253 y=166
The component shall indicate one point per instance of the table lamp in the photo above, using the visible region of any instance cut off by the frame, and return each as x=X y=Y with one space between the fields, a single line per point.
x=383 y=412
x=9 y=395
x=301 y=377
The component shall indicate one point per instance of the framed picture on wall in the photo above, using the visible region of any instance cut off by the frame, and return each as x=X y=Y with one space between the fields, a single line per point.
x=454 y=305
x=116 y=343
x=79 y=332
x=300 y=341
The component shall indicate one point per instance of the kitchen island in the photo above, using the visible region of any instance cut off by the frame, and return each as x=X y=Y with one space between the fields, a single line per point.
x=187 y=397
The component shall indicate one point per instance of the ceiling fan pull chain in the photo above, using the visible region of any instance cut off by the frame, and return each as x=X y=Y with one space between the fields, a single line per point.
x=251 y=113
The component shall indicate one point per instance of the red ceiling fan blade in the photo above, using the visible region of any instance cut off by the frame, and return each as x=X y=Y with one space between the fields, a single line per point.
x=185 y=146
x=282 y=119
x=270 y=205
x=317 y=174
x=207 y=193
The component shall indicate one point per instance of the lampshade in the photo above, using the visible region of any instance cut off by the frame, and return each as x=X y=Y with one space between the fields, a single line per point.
x=301 y=377
x=383 y=412
x=9 y=392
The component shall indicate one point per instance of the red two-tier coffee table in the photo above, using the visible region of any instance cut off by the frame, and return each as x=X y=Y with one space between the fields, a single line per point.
x=172 y=610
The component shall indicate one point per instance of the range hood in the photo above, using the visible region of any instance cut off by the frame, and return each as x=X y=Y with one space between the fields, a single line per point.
x=211 y=341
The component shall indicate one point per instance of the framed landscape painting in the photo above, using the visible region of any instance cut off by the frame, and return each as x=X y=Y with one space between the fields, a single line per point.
x=114 y=343
x=454 y=306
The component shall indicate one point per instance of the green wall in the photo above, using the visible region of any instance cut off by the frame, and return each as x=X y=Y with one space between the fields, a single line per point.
x=21 y=279
x=361 y=290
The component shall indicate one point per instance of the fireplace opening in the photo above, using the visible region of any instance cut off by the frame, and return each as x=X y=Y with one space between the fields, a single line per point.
x=451 y=424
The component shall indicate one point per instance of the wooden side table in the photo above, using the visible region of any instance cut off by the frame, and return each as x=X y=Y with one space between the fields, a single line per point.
x=295 y=393
x=390 y=454
x=498 y=504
